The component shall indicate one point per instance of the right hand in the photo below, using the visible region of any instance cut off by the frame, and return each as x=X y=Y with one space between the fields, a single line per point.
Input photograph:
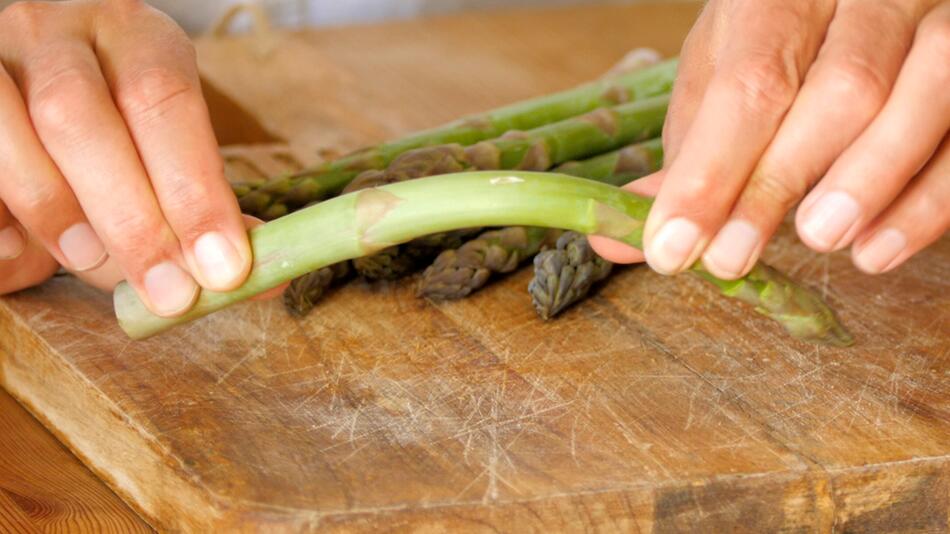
x=108 y=163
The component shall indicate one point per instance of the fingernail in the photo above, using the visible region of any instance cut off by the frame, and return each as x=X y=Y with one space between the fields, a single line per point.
x=880 y=252
x=219 y=263
x=672 y=246
x=830 y=218
x=169 y=288
x=12 y=243
x=82 y=247
x=731 y=249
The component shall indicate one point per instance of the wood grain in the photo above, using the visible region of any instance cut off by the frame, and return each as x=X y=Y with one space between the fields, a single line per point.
x=43 y=488
x=657 y=406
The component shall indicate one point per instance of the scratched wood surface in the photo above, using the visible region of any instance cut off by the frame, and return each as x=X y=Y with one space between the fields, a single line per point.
x=655 y=406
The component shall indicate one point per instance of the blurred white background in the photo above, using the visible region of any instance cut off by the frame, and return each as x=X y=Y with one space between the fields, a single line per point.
x=196 y=15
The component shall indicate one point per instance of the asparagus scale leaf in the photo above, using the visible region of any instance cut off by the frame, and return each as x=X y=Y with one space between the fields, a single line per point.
x=303 y=293
x=565 y=274
x=281 y=196
x=456 y=273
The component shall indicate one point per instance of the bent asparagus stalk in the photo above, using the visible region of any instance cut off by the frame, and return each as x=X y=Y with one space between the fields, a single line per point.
x=281 y=196
x=456 y=273
x=360 y=223
x=565 y=274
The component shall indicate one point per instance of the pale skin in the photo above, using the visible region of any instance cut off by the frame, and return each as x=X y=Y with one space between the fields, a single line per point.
x=109 y=167
x=841 y=107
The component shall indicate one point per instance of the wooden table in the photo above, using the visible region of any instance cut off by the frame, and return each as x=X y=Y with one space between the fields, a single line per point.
x=655 y=406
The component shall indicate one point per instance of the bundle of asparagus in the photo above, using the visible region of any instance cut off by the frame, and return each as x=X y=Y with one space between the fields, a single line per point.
x=537 y=149
x=278 y=197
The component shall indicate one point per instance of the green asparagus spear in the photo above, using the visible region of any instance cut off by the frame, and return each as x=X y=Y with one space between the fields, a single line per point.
x=621 y=166
x=278 y=197
x=801 y=311
x=366 y=221
x=304 y=292
x=565 y=274
x=456 y=273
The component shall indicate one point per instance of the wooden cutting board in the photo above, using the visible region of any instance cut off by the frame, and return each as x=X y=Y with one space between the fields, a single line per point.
x=654 y=406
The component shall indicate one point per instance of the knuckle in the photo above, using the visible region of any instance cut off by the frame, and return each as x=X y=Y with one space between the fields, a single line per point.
x=23 y=15
x=152 y=91
x=136 y=237
x=765 y=82
x=854 y=76
x=773 y=189
x=37 y=200
x=61 y=100
x=193 y=211
x=935 y=35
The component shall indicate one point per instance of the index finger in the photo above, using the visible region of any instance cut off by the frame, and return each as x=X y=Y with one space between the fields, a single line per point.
x=156 y=88
x=758 y=73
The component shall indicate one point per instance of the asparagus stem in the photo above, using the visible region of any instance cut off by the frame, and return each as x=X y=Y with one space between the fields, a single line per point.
x=565 y=275
x=360 y=223
x=278 y=197
x=619 y=167
x=456 y=273
x=363 y=222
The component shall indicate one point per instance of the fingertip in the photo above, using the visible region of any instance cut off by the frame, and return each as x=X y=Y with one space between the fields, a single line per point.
x=168 y=290
x=648 y=186
x=734 y=250
x=615 y=251
x=222 y=262
x=12 y=243
x=880 y=253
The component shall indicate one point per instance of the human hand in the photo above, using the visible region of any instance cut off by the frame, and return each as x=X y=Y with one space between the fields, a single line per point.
x=848 y=98
x=107 y=153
